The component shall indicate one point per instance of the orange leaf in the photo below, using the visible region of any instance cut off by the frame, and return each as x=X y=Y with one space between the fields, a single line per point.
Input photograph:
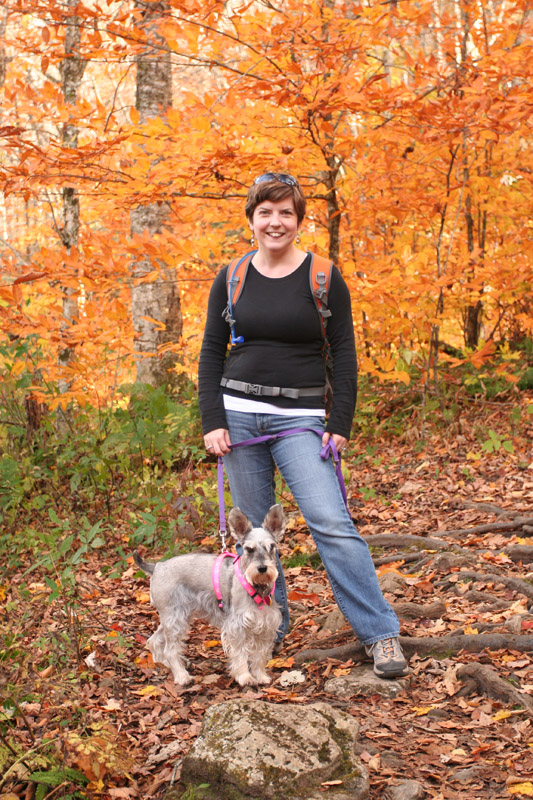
x=30 y=276
x=314 y=599
x=156 y=323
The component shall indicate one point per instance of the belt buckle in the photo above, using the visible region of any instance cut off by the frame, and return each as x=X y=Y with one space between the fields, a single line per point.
x=253 y=388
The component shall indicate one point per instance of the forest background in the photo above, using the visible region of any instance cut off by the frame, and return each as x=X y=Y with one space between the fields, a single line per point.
x=130 y=133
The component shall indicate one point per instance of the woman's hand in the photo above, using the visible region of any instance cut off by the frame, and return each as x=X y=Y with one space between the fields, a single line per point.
x=339 y=441
x=217 y=442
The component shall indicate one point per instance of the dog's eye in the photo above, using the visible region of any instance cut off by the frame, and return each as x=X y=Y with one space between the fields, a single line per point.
x=249 y=550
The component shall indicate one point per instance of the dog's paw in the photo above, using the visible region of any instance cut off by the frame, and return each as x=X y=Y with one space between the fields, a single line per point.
x=182 y=677
x=245 y=679
x=262 y=678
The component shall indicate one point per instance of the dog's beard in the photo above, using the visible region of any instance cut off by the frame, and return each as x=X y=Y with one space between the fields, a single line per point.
x=262 y=578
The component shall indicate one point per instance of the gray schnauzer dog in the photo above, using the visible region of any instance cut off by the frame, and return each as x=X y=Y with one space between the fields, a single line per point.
x=234 y=594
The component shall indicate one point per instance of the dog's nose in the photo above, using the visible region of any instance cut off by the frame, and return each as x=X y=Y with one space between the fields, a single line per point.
x=262 y=570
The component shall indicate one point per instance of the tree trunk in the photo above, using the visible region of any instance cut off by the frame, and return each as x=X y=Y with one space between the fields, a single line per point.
x=159 y=299
x=473 y=312
x=334 y=215
x=71 y=69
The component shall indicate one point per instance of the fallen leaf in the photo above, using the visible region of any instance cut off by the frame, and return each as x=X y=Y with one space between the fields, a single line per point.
x=392 y=567
x=410 y=487
x=521 y=788
x=46 y=672
x=295 y=595
x=291 y=678
x=471 y=631
x=501 y=715
x=209 y=679
x=145 y=660
x=148 y=691
x=112 y=705
x=420 y=711
x=280 y=663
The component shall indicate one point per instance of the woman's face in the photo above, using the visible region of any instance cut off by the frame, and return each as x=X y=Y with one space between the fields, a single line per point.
x=275 y=224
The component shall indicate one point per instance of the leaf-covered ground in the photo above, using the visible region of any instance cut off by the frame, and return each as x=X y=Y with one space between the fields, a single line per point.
x=77 y=680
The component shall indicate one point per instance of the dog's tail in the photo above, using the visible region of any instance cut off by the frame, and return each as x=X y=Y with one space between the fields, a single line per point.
x=142 y=564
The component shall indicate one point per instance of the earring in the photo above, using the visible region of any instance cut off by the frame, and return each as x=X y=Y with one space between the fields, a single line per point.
x=297 y=239
x=252 y=240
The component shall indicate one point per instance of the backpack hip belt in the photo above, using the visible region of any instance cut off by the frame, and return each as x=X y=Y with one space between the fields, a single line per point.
x=272 y=391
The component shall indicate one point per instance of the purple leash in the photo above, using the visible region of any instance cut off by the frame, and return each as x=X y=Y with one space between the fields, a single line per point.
x=324 y=455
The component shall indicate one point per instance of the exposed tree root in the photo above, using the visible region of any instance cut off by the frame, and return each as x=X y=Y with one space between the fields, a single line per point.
x=431 y=645
x=520 y=552
x=502 y=527
x=447 y=562
x=417 y=566
x=405 y=557
x=410 y=540
x=517 y=584
x=407 y=540
x=418 y=611
x=487 y=508
x=483 y=679
x=495 y=603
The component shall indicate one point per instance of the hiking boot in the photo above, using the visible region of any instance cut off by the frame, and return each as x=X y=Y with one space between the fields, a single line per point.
x=389 y=661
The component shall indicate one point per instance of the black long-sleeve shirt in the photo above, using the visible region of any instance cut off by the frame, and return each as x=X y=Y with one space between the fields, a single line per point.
x=283 y=345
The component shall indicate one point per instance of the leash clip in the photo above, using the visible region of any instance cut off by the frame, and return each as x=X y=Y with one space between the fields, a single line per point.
x=222 y=535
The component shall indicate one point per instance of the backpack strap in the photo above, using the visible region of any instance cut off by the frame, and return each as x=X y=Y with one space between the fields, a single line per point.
x=235 y=277
x=319 y=278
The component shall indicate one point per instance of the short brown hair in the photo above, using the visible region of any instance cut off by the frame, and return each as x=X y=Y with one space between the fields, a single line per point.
x=274 y=190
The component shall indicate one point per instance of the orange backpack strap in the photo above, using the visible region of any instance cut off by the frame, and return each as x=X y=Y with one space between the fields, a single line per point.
x=319 y=278
x=235 y=277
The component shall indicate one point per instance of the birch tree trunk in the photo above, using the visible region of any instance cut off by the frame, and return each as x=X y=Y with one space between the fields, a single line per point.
x=71 y=69
x=159 y=299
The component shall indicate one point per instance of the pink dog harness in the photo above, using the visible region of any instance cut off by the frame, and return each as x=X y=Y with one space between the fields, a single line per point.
x=254 y=594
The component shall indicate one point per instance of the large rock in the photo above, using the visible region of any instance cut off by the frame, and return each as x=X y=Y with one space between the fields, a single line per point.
x=252 y=750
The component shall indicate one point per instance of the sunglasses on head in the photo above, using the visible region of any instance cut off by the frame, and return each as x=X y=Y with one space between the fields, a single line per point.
x=277 y=176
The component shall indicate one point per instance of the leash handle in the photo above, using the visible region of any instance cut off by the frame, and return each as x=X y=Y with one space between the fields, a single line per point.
x=221 y=505
x=328 y=448
x=331 y=447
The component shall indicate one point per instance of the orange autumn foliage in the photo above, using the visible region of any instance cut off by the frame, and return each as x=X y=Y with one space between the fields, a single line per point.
x=407 y=124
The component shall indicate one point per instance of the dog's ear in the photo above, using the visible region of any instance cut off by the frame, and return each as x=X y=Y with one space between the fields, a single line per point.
x=239 y=524
x=274 y=521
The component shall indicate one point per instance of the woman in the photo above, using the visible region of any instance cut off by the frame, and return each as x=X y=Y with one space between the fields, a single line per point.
x=280 y=344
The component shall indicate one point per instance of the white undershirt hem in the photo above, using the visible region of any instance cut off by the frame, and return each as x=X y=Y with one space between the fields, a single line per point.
x=247 y=406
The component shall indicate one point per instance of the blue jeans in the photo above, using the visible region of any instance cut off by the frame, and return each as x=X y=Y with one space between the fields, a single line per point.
x=315 y=488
